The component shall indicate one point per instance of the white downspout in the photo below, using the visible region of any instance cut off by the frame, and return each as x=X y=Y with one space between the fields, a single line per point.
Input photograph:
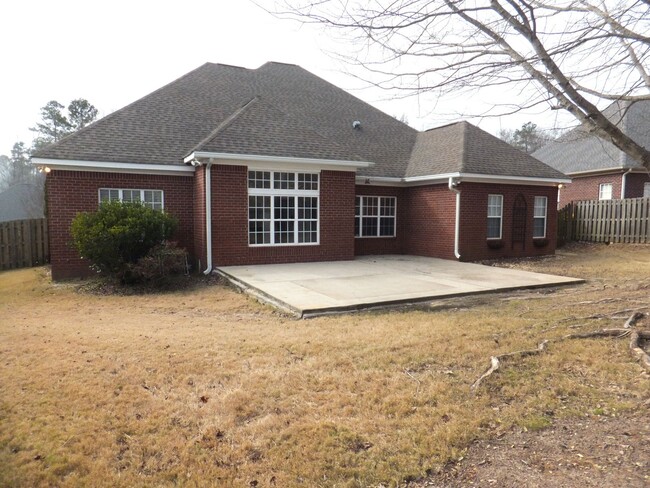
x=623 y=180
x=208 y=220
x=452 y=187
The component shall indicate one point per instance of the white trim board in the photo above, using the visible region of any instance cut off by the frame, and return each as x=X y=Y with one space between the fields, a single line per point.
x=460 y=177
x=277 y=162
x=112 y=167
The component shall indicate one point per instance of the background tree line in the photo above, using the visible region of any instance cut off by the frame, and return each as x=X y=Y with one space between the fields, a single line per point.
x=55 y=124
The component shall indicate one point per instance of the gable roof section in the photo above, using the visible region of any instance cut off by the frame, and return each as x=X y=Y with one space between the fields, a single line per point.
x=464 y=148
x=260 y=128
x=164 y=127
x=580 y=151
x=282 y=110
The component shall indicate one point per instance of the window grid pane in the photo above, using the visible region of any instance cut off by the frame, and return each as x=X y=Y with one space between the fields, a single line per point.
x=259 y=179
x=284 y=212
x=307 y=181
x=279 y=214
x=494 y=214
x=150 y=198
x=259 y=220
x=374 y=216
x=284 y=181
x=539 y=217
x=605 y=191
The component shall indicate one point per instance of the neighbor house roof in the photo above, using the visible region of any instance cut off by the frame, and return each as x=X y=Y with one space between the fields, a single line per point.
x=285 y=111
x=579 y=150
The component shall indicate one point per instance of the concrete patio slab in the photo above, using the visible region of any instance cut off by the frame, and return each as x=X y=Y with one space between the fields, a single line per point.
x=373 y=281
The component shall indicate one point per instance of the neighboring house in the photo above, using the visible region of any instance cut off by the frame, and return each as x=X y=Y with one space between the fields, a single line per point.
x=22 y=201
x=275 y=165
x=600 y=170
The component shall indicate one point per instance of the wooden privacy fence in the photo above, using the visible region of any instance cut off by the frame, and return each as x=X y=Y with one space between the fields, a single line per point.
x=626 y=220
x=23 y=243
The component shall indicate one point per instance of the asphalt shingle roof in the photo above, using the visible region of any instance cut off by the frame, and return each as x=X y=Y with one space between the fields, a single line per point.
x=464 y=148
x=283 y=110
x=580 y=150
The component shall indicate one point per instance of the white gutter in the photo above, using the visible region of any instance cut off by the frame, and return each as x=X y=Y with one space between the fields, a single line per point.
x=246 y=159
x=467 y=177
x=623 y=180
x=208 y=220
x=113 y=167
x=452 y=186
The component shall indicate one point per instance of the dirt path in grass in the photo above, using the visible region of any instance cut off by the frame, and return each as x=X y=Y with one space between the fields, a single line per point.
x=596 y=451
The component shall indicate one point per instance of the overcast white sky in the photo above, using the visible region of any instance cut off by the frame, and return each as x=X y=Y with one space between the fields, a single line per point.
x=112 y=53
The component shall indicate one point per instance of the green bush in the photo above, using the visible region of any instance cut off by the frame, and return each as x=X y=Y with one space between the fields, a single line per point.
x=118 y=235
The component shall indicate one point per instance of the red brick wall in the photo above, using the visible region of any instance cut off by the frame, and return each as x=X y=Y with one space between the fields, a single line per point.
x=71 y=192
x=230 y=221
x=473 y=231
x=383 y=245
x=430 y=222
x=587 y=188
x=634 y=184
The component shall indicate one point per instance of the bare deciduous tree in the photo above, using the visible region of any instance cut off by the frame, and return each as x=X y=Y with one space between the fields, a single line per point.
x=573 y=55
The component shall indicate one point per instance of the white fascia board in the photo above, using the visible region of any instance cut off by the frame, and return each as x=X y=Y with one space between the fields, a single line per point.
x=604 y=171
x=468 y=177
x=379 y=181
x=277 y=162
x=111 y=167
x=512 y=180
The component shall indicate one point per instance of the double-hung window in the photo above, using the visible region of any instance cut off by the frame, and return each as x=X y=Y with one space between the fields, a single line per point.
x=375 y=216
x=539 y=217
x=150 y=198
x=605 y=191
x=494 y=216
x=282 y=208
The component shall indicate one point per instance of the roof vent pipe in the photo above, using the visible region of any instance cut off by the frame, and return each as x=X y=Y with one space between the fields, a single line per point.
x=356 y=125
x=452 y=186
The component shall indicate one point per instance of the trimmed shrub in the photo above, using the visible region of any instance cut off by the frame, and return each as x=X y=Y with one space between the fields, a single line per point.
x=118 y=235
x=161 y=264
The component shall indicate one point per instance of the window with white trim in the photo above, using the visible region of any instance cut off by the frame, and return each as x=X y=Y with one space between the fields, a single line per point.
x=494 y=216
x=282 y=208
x=605 y=191
x=646 y=189
x=375 y=216
x=150 y=198
x=539 y=217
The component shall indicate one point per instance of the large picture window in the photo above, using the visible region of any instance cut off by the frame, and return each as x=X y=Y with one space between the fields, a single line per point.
x=150 y=198
x=494 y=216
x=539 y=217
x=282 y=208
x=375 y=216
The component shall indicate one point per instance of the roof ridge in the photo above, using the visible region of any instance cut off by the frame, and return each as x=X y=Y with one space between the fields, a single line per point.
x=225 y=123
x=118 y=111
x=463 y=154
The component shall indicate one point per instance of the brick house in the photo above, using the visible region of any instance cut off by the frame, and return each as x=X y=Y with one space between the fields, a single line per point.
x=598 y=169
x=275 y=165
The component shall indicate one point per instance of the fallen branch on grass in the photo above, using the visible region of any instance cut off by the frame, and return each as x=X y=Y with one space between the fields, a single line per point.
x=495 y=361
x=633 y=320
x=636 y=336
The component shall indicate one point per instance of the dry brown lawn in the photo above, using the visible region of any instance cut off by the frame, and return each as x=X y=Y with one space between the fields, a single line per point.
x=206 y=387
